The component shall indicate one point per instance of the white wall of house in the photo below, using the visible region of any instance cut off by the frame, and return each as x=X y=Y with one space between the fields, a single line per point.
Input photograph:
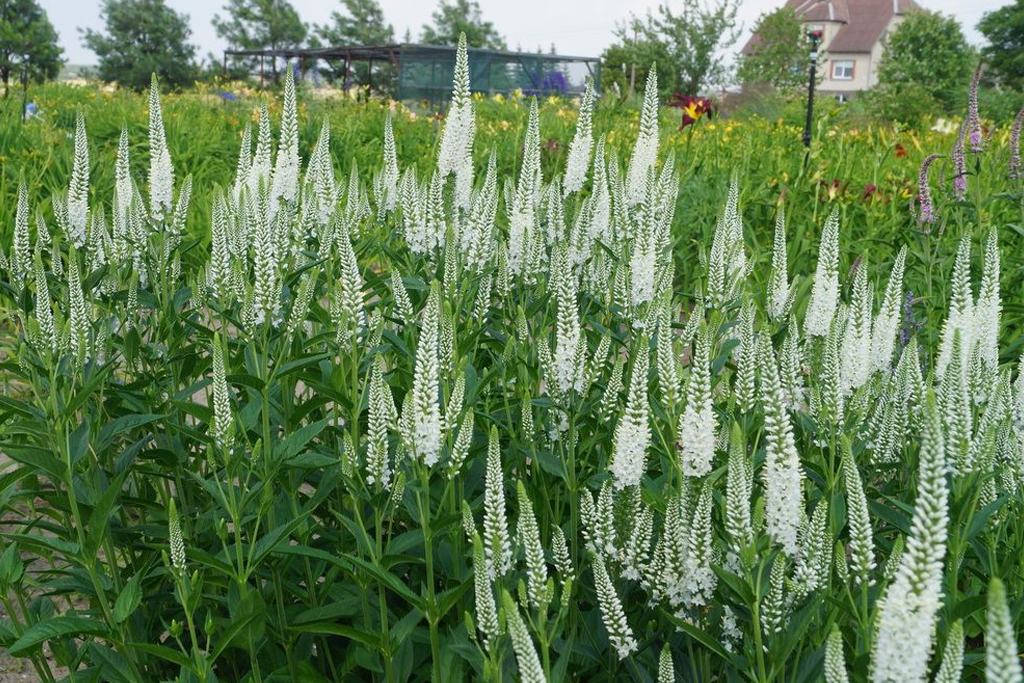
x=849 y=72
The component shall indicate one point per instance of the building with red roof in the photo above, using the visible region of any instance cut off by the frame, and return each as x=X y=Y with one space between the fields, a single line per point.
x=853 y=38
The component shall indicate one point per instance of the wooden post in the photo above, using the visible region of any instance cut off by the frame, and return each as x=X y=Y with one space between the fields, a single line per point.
x=261 y=72
x=344 y=78
x=369 y=76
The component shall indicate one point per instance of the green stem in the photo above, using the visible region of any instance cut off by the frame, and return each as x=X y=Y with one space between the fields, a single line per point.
x=423 y=501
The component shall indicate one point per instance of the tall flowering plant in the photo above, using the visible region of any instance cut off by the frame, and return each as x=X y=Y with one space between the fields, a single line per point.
x=500 y=416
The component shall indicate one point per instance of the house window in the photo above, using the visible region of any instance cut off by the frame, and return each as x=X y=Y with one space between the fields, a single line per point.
x=816 y=28
x=842 y=70
x=842 y=98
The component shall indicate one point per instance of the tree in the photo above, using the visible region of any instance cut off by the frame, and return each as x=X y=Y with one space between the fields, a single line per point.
x=260 y=25
x=624 y=67
x=929 y=50
x=142 y=37
x=28 y=43
x=778 y=54
x=361 y=24
x=453 y=17
x=1004 y=31
x=691 y=39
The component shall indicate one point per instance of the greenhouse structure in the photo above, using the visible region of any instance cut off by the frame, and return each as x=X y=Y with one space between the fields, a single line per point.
x=417 y=72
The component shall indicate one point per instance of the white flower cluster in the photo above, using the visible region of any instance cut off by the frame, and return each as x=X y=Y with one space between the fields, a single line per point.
x=698 y=425
x=1002 y=663
x=161 y=172
x=783 y=479
x=562 y=284
x=825 y=292
x=975 y=320
x=645 y=152
x=578 y=162
x=633 y=433
x=906 y=621
x=422 y=411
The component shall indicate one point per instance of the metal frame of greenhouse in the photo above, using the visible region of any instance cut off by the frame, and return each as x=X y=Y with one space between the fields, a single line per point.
x=424 y=72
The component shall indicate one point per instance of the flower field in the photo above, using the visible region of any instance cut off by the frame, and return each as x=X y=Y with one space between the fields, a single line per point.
x=328 y=390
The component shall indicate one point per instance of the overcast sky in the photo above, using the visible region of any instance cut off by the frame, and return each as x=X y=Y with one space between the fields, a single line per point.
x=576 y=27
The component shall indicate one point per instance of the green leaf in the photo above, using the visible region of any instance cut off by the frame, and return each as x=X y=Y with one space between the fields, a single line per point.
x=265 y=545
x=297 y=440
x=11 y=566
x=56 y=627
x=129 y=599
x=45 y=542
x=165 y=653
x=704 y=639
x=11 y=405
x=238 y=624
x=78 y=442
x=450 y=598
x=342 y=608
x=897 y=520
x=244 y=380
x=312 y=461
x=113 y=667
x=301 y=364
x=39 y=458
x=334 y=629
x=391 y=581
x=99 y=520
x=738 y=585
x=83 y=394
x=551 y=464
x=123 y=424
x=980 y=518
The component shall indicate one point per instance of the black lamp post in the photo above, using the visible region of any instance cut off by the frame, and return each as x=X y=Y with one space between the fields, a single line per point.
x=815 y=38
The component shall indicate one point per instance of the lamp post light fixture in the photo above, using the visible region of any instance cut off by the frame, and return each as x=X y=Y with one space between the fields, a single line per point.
x=815 y=38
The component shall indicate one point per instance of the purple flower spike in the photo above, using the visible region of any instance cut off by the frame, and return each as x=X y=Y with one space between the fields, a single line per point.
x=924 y=193
x=1016 y=171
x=973 y=120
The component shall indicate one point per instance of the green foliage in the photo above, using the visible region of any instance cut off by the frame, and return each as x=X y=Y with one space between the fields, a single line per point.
x=778 y=55
x=260 y=25
x=454 y=17
x=909 y=103
x=141 y=543
x=999 y=103
x=929 y=50
x=361 y=23
x=691 y=41
x=625 y=65
x=1003 y=29
x=142 y=37
x=28 y=43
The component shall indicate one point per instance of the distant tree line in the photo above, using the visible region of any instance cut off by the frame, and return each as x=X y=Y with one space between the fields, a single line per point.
x=927 y=60
x=132 y=38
